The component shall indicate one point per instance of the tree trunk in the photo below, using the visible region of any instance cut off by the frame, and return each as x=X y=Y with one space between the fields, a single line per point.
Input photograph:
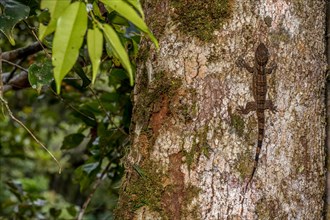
x=192 y=151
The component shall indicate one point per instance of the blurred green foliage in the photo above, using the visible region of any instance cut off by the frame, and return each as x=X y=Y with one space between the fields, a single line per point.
x=86 y=128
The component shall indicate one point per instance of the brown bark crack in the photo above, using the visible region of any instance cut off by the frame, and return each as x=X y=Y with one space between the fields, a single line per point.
x=174 y=194
x=159 y=115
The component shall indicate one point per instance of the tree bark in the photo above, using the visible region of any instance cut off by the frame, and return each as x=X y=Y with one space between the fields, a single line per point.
x=327 y=196
x=192 y=152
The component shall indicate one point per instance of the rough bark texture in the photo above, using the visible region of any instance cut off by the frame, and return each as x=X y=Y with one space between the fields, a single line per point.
x=327 y=200
x=192 y=152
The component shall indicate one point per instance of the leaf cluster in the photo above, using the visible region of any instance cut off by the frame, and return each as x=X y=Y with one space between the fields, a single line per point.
x=84 y=43
x=74 y=26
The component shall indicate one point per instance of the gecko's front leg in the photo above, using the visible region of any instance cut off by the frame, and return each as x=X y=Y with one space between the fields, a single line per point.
x=250 y=106
x=272 y=68
x=240 y=62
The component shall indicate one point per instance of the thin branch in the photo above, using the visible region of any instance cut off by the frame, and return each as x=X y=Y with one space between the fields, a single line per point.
x=105 y=111
x=70 y=105
x=22 y=52
x=15 y=65
x=99 y=101
x=37 y=38
x=19 y=81
x=11 y=74
x=30 y=133
x=94 y=187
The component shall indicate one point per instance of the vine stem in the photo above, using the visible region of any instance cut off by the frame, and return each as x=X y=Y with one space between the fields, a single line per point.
x=90 y=196
x=15 y=65
x=37 y=38
x=30 y=133
x=105 y=111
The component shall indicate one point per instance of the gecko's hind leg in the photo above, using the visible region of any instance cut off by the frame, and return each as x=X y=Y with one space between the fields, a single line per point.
x=269 y=105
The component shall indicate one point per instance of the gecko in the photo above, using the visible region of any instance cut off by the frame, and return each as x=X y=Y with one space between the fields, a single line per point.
x=259 y=88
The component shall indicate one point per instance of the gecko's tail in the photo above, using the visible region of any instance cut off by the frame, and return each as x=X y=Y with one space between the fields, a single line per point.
x=256 y=159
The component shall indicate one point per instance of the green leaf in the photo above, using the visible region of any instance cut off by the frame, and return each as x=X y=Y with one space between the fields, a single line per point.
x=72 y=141
x=16 y=188
x=109 y=97
x=118 y=50
x=69 y=35
x=79 y=70
x=55 y=8
x=55 y=212
x=43 y=17
x=72 y=210
x=86 y=116
x=137 y=5
x=84 y=180
x=125 y=10
x=90 y=167
x=115 y=18
x=116 y=76
x=95 y=46
x=13 y=13
x=97 y=11
x=40 y=76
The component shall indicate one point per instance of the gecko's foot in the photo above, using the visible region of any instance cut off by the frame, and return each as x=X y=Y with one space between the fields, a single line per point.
x=241 y=110
x=270 y=106
x=274 y=109
x=240 y=62
x=273 y=66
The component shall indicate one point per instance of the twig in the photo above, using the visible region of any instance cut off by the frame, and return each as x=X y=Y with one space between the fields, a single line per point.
x=70 y=105
x=11 y=74
x=105 y=111
x=90 y=196
x=99 y=101
x=30 y=132
x=37 y=38
x=15 y=65
x=21 y=52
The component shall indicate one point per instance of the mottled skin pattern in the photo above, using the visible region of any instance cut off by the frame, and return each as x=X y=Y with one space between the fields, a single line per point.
x=259 y=87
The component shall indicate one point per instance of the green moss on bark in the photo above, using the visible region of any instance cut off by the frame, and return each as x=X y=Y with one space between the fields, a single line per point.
x=153 y=93
x=150 y=186
x=144 y=189
x=199 y=147
x=244 y=164
x=238 y=124
x=201 y=18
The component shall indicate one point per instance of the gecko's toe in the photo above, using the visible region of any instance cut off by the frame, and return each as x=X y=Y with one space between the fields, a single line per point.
x=240 y=109
x=240 y=62
x=274 y=109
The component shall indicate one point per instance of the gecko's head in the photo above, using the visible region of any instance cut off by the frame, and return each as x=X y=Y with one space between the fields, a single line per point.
x=262 y=55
